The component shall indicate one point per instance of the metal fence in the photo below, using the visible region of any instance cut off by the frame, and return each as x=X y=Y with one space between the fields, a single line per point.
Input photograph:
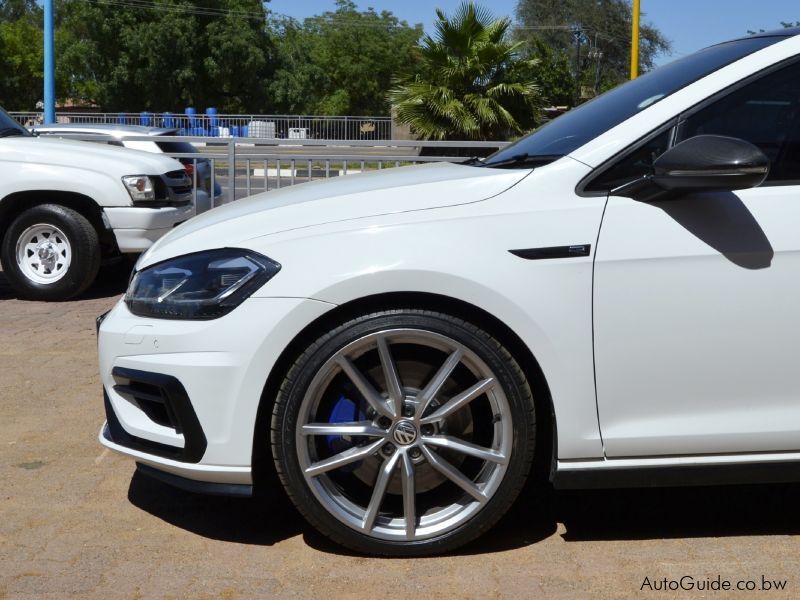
x=241 y=168
x=245 y=126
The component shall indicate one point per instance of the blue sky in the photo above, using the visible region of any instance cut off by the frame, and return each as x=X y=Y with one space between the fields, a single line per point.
x=688 y=24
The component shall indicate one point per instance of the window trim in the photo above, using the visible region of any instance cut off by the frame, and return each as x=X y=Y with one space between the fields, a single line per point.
x=600 y=170
x=675 y=123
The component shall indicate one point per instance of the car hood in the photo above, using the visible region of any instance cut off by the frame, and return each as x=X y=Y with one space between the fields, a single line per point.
x=344 y=198
x=89 y=156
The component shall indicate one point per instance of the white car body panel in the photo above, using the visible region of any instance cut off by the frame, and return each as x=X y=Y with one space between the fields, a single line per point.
x=234 y=368
x=337 y=200
x=378 y=254
x=447 y=230
x=715 y=302
x=79 y=161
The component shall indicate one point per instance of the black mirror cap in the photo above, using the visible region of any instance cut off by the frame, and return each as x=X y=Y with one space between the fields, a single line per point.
x=710 y=163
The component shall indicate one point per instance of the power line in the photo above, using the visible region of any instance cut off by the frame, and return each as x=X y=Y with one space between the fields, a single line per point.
x=222 y=12
x=181 y=8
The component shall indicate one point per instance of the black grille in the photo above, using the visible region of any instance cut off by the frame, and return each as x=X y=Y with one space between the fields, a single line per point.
x=171 y=189
x=179 y=182
x=150 y=398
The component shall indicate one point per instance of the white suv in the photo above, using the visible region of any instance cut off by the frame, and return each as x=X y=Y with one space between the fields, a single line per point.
x=67 y=205
x=618 y=292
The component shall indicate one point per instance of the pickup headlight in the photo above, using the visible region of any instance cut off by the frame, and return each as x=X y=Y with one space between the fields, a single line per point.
x=204 y=285
x=140 y=187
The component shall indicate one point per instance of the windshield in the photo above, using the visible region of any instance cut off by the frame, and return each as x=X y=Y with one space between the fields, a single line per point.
x=584 y=123
x=9 y=127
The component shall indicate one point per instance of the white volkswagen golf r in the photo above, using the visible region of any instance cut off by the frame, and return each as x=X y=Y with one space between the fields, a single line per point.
x=619 y=292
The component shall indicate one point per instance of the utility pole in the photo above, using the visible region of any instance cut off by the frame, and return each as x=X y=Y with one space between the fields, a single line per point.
x=596 y=55
x=577 y=35
x=635 y=41
x=49 y=65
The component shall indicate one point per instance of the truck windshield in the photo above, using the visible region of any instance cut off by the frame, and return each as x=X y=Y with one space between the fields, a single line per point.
x=584 y=123
x=9 y=127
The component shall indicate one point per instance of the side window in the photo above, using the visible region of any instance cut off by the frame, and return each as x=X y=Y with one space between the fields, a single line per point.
x=635 y=164
x=766 y=113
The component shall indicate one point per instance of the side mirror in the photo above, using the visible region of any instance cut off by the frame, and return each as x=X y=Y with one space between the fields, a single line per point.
x=710 y=163
x=703 y=163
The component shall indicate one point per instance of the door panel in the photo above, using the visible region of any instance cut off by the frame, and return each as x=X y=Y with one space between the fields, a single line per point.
x=697 y=324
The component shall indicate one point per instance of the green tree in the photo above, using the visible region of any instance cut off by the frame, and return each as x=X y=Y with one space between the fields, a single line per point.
x=166 y=56
x=340 y=62
x=470 y=85
x=20 y=54
x=601 y=30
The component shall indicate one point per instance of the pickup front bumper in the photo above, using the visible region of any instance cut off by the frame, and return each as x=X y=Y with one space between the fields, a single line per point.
x=137 y=228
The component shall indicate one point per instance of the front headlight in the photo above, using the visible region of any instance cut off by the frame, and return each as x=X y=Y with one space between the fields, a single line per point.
x=204 y=285
x=140 y=187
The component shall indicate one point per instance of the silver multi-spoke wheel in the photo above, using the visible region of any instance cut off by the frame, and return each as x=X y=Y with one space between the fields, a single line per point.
x=404 y=434
x=43 y=253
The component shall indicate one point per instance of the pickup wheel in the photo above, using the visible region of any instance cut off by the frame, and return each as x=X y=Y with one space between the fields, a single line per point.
x=50 y=252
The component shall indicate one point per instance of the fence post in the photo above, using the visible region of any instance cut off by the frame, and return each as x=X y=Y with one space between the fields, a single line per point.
x=231 y=170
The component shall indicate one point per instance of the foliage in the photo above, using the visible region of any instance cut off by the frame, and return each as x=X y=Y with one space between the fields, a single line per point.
x=341 y=62
x=169 y=54
x=166 y=57
x=20 y=54
x=470 y=83
x=603 y=25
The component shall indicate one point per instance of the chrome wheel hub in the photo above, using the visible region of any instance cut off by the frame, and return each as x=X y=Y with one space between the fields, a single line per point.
x=404 y=434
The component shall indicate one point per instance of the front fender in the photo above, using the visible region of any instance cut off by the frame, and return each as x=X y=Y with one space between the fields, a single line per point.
x=548 y=305
x=25 y=177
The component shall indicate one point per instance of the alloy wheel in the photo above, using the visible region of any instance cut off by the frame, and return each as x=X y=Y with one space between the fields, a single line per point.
x=404 y=434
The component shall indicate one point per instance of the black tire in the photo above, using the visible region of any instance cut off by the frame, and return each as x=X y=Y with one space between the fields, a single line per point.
x=292 y=392
x=85 y=253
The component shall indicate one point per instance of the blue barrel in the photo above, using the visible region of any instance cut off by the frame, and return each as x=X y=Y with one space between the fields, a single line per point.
x=191 y=114
x=234 y=131
x=145 y=119
x=211 y=113
x=169 y=120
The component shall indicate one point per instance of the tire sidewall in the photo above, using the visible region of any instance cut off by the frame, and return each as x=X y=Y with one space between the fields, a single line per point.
x=292 y=393
x=85 y=253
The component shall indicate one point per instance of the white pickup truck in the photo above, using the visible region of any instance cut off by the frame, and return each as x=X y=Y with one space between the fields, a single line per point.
x=65 y=206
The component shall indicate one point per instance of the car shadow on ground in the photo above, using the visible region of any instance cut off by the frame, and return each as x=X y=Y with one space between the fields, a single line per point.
x=262 y=521
x=112 y=280
x=587 y=515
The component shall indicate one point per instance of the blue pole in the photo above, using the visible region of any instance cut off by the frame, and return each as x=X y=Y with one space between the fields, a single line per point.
x=49 y=65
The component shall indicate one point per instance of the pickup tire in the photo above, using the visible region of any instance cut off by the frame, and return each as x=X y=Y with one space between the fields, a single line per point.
x=50 y=252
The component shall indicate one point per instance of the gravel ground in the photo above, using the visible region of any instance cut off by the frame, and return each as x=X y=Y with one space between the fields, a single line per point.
x=75 y=521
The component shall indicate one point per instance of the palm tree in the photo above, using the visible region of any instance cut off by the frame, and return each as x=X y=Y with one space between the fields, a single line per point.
x=469 y=86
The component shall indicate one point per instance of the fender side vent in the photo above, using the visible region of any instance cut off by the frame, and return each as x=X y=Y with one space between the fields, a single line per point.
x=553 y=252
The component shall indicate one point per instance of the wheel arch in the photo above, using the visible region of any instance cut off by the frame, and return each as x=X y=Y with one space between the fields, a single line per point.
x=546 y=429
x=14 y=204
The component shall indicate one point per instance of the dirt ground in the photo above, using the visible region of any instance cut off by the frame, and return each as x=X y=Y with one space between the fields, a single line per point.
x=75 y=521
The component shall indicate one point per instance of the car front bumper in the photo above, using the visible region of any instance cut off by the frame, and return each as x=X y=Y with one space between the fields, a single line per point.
x=182 y=396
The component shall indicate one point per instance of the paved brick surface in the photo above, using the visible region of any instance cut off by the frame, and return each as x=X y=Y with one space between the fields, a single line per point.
x=76 y=522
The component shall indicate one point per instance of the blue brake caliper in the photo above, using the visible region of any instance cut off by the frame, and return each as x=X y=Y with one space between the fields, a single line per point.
x=344 y=411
